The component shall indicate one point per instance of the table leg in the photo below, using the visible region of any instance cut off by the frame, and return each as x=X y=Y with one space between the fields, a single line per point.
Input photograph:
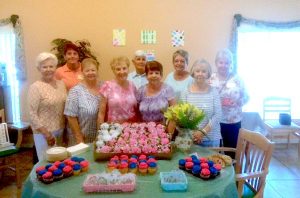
x=20 y=137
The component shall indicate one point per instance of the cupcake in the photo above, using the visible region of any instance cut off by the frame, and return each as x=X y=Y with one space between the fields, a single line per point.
x=80 y=159
x=210 y=163
x=188 y=159
x=111 y=166
x=52 y=168
x=205 y=173
x=151 y=156
x=196 y=170
x=68 y=171
x=38 y=169
x=152 y=168
x=132 y=160
x=48 y=166
x=218 y=167
x=57 y=174
x=143 y=167
x=143 y=157
x=213 y=171
x=84 y=166
x=151 y=160
x=196 y=161
x=194 y=157
x=47 y=178
x=41 y=173
x=132 y=167
x=56 y=163
x=124 y=157
x=189 y=166
x=203 y=160
x=76 y=169
x=204 y=165
x=61 y=165
x=181 y=164
x=134 y=156
x=74 y=159
x=123 y=168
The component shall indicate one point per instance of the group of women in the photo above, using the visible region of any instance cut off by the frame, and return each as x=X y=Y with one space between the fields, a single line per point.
x=85 y=102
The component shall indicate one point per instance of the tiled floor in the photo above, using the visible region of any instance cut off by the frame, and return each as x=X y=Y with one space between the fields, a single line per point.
x=283 y=180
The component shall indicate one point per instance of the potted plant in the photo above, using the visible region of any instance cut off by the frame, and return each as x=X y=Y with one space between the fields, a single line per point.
x=83 y=46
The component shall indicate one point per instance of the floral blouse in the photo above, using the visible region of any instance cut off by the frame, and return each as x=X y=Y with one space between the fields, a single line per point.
x=233 y=96
x=152 y=107
x=121 y=102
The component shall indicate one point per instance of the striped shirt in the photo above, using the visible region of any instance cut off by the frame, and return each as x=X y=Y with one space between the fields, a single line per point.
x=210 y=103
x=83 y=105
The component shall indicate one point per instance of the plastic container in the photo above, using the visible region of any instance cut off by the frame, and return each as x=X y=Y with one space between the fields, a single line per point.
x=173 y=181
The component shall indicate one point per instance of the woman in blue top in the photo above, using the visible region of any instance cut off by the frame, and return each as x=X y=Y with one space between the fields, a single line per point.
x=155 y=97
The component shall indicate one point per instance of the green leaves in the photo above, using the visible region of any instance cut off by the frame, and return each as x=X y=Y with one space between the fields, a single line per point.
x=185 y=115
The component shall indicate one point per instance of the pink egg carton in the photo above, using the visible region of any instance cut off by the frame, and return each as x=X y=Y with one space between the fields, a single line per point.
x=98 y=183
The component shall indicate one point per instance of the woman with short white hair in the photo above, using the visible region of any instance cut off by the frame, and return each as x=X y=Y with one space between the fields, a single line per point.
x=205 y=97
x=46 y=100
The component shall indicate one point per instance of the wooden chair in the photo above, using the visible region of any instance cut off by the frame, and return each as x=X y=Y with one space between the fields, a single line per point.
x=272 y=107
x=8 y=152
x=252 y=159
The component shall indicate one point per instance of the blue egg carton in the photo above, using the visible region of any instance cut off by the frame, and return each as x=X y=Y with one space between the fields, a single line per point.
x=173 y=181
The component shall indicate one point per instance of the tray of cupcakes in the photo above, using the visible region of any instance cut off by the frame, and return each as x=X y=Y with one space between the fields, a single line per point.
x=61 y=169
x=141 y=164
x=200 y=167
x=133 y=139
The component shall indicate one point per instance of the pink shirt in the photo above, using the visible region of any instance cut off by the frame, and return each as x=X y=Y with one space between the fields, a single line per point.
x=121 y=102
x=69 y=77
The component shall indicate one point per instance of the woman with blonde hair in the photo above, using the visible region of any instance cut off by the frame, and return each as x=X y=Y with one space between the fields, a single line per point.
x=118 y=102
x=82 y=105
x=46 y=100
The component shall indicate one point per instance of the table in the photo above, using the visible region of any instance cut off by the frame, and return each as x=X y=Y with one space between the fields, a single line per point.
x=147 y=186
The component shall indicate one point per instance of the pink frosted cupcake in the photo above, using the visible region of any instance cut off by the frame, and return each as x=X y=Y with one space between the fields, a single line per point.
x=84 y=165
x=111 y=166
x=189 y=166
x=68 y=171
x=205 y=173
x=52 y=168
x=142 y=157
x=123 y=168
x=143 y=168
x=47 y=178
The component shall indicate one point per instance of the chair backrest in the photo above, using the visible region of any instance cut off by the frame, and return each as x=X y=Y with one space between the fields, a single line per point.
x=253 y=156
x=273 y=106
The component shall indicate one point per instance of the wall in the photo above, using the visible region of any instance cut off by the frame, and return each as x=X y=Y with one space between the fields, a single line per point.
x=207 y=26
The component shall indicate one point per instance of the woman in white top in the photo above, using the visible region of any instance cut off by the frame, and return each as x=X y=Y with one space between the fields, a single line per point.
x=205 y=97
x=233 y=96
x=180 y=78
x=46 y=100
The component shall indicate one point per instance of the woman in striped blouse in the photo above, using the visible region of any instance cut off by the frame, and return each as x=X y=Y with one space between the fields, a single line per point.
x=205 y=97
x=82 y=105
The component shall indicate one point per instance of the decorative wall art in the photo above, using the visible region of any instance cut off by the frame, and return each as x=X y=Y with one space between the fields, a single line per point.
x=119 y=37
x=177 y=38
x=148 y=37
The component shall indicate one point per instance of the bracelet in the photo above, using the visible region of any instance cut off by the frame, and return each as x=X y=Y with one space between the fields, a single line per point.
x=204 y=131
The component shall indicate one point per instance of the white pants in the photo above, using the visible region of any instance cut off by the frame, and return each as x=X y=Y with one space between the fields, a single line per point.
x=41 y=144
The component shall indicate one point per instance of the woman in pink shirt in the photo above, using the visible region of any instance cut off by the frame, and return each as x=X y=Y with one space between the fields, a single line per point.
x=118 y=102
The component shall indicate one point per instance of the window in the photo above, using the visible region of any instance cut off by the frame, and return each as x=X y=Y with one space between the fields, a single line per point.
x=267 y=60
x=10 y=84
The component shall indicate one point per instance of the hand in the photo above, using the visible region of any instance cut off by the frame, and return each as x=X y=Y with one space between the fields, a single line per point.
x=197 y=137
x=50 y=139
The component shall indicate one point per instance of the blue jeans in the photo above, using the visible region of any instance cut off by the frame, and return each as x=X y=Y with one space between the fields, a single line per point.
x=210 y=143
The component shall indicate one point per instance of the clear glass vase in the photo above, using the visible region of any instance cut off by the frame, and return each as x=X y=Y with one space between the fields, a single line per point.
x=183 y=140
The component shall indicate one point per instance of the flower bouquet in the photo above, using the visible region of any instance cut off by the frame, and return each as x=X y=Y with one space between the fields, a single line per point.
x=187 y=118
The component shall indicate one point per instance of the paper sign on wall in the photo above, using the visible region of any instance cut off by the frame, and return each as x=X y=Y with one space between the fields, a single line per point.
x=119 y=37
x=148 y=37
x=150 y=55
x=177 y=38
